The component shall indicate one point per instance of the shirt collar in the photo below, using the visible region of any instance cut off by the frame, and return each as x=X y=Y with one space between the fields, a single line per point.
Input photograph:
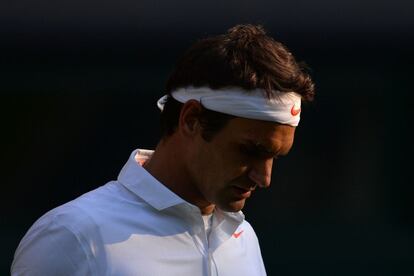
x=138 y=180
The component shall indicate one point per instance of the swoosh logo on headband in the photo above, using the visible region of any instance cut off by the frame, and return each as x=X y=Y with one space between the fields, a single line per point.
x=294 y=111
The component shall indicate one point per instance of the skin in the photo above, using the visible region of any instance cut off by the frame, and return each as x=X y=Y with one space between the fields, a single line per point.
x=222 y=172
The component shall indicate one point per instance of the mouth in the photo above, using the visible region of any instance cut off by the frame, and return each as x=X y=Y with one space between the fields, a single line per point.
x=243 y=192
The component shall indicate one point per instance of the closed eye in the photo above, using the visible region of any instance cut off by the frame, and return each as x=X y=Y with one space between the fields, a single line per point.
x=257 y=152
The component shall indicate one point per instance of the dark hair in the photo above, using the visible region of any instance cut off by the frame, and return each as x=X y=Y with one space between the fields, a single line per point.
x=243 y=57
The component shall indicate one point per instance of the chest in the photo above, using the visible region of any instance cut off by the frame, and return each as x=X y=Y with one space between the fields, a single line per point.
x=178 y=254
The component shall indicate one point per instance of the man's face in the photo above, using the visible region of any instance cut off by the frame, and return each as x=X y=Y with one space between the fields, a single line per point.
x=239 y=158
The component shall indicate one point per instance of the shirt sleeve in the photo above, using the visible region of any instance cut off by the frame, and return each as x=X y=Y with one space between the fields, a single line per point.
x=50 y=249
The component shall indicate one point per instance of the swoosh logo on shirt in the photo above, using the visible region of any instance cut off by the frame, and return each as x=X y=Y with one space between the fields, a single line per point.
x=294 y=111
x=236 y=235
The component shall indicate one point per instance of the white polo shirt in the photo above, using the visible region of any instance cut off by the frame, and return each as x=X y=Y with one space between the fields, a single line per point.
x=136 y=226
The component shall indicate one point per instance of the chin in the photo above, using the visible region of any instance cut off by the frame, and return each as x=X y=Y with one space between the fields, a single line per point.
x=234 y=206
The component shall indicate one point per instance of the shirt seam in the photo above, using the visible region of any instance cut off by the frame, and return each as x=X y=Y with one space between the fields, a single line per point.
x=77 y=237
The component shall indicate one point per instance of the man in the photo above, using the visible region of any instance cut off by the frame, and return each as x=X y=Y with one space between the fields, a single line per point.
x=232 y=105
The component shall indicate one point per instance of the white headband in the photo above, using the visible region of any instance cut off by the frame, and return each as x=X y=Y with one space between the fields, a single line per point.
x=284 y=108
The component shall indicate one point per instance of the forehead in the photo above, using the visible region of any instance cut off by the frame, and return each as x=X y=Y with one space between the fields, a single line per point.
x=269 y=136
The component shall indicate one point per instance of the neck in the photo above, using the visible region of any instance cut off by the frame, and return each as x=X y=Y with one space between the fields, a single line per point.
x=168 y=166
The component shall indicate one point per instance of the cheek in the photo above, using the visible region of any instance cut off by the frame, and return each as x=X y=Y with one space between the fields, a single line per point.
x=207 y=166
x=233 y=168
x=237 y=168
x=220 y=164
x=236 y=164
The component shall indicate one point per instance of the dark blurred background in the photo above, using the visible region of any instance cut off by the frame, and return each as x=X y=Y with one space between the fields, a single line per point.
x=79 y=81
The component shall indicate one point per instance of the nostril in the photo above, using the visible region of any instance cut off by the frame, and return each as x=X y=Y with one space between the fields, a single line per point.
x=261 y=180
x=253 y=177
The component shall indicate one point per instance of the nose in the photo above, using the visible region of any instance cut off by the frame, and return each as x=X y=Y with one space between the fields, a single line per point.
x=261 y=172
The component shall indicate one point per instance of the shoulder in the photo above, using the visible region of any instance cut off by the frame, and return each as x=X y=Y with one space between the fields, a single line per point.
x=248 y=231
x=65 y=239
x=253 y=246
x=50 y=247
x=246 y=235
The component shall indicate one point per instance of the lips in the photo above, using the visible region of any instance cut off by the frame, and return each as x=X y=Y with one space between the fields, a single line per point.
x=242 y=191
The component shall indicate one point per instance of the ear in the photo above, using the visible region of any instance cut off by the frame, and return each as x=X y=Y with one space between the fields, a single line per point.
x=188 y=123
